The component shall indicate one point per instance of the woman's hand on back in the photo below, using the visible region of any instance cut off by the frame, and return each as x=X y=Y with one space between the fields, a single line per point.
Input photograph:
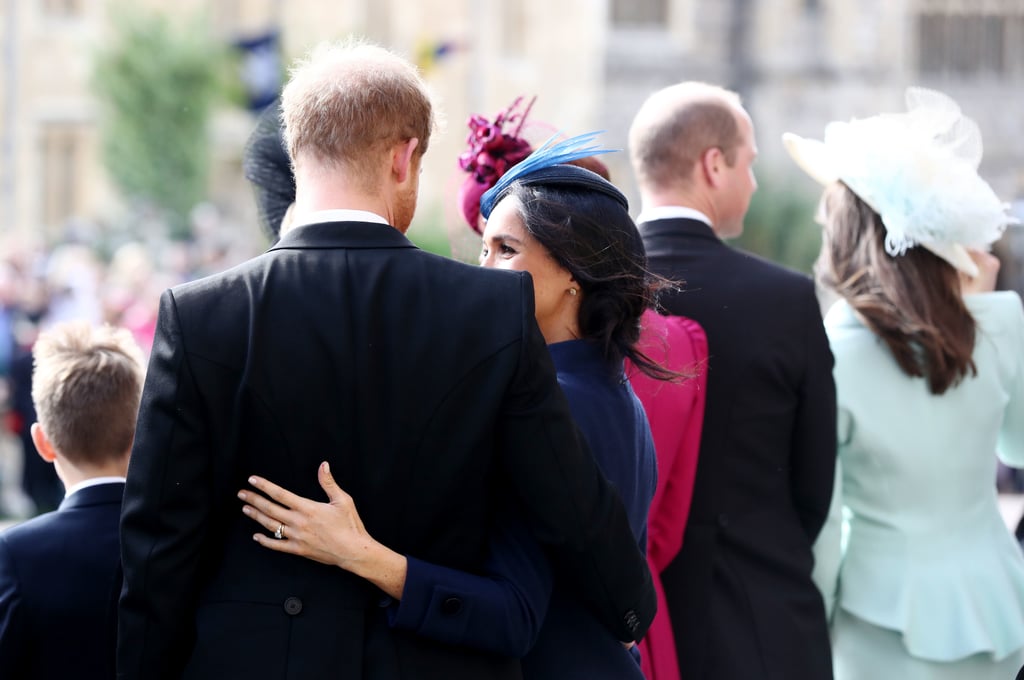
x=330 y=533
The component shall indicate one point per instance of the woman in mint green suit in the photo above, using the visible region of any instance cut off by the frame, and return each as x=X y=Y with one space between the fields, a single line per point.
x=924 y=579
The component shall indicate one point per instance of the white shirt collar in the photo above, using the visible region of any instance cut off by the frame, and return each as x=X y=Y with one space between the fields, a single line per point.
x=666 y=212
x=337 y=215
x=94 y=481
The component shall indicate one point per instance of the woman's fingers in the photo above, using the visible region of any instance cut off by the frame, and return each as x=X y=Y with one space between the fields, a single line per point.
x=290 y=547
x=330 y=487
x=276 y=512
x=279 y=494
x=266 y=521
x=331 y=533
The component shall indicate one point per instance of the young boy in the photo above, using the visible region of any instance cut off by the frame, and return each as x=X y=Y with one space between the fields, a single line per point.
x=60 y=573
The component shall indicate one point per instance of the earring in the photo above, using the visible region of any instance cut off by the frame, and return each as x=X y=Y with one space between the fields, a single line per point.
x=572 y=291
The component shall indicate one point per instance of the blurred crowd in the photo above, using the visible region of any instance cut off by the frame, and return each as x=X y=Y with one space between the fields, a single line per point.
x=99 y=280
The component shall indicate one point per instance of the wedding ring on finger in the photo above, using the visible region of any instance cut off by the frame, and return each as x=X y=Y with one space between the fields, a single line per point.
x=279 y=534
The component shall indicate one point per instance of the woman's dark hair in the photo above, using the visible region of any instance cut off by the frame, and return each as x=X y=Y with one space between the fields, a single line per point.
x=591 y=235
x=912 y=301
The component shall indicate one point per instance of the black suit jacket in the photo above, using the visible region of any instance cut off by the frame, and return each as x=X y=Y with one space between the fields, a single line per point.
x=60 y=576
x=740 y=593
x=426 y=385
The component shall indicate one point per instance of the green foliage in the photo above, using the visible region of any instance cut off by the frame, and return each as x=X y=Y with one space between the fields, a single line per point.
x=157 y=82
x=429 y=233
x=780 y=224
x=432 y=239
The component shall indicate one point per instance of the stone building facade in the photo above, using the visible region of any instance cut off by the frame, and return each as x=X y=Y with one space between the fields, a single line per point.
x=797 y=63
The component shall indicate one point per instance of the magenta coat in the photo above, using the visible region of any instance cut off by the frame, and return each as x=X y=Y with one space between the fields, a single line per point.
x=675 y=412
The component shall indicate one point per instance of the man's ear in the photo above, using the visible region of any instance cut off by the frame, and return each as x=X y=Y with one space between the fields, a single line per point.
x=402 y=159
x=712 y=164
x=42 y=442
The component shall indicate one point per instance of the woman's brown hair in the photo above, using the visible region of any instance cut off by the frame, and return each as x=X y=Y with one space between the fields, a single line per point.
x=912 y=301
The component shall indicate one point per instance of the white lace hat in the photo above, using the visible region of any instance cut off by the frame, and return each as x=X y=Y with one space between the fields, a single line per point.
x=918 y=170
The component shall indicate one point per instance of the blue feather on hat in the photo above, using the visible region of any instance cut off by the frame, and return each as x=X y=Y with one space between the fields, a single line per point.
x=548 y=154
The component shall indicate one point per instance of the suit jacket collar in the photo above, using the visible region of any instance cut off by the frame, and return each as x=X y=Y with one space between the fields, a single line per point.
x=343 y=235
x=678 y=227
x=101 y=494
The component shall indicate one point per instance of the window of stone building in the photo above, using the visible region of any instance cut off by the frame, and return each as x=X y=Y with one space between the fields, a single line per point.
x=961 y=39
x=639 y=13
x=60 y=156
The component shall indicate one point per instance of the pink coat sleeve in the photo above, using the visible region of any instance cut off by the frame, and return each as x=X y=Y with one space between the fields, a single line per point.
x=676 y=414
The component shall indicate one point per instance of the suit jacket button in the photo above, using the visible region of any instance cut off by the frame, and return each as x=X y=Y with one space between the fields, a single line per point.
x=632 y=620
x=451 y=606
x=292 y=606
x=723 y=520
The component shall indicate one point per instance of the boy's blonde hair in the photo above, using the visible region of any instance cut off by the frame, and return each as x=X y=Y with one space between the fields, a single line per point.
x=86 y=386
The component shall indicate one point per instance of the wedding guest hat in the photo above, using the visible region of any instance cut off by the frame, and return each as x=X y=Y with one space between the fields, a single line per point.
x=918 y=170
x=550 y=165
x=494 y=147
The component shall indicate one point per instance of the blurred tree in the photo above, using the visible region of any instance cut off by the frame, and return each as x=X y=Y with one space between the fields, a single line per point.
x=157 y=82
x=780 y=224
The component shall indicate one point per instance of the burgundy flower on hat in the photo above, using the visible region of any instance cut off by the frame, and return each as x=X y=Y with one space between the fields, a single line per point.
x=494 y=147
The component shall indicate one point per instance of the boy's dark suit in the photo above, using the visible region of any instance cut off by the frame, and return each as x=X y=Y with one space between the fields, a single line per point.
x=426 y=385
x=60 y=577
x=740 y=593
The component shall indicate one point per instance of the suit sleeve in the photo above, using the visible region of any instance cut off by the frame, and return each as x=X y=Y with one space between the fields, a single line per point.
x=813 y=461
x=500 y=612
x=165 y=509
x=14 y=638
x=568 y=503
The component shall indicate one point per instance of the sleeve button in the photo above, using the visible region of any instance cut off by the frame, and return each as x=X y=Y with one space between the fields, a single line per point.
x=451 y=606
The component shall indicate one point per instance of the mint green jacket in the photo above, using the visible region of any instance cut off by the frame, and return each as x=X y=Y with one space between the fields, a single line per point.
x=915 y=542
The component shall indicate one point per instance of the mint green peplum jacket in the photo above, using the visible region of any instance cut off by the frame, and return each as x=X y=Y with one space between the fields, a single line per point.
x=915 y=542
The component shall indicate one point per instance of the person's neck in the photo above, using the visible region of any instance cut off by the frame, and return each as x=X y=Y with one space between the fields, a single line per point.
x=695 y=200
x=309 y=204
x=558 y=331
x=323 y=190
x=71 y=474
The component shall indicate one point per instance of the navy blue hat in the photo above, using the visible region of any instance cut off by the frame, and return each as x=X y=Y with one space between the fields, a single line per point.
x=548 y=166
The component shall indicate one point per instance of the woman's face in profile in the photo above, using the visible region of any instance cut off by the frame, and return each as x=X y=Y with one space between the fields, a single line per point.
x=508 y=245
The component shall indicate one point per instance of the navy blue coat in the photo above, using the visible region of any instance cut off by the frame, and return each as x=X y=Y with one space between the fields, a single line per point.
x=60 y=576
x=522 y=607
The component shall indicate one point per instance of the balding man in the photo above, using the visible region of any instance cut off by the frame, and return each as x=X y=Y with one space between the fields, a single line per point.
x=423 y=382
x=740 y=593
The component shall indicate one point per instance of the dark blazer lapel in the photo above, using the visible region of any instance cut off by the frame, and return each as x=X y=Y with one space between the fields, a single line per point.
x=343 y=235
x=101 y=494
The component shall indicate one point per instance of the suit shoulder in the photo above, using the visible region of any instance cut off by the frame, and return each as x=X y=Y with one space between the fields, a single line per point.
x=771 y=276
x=471 y=279
x=773 y=270
x=244 y=270
x=24 y=536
